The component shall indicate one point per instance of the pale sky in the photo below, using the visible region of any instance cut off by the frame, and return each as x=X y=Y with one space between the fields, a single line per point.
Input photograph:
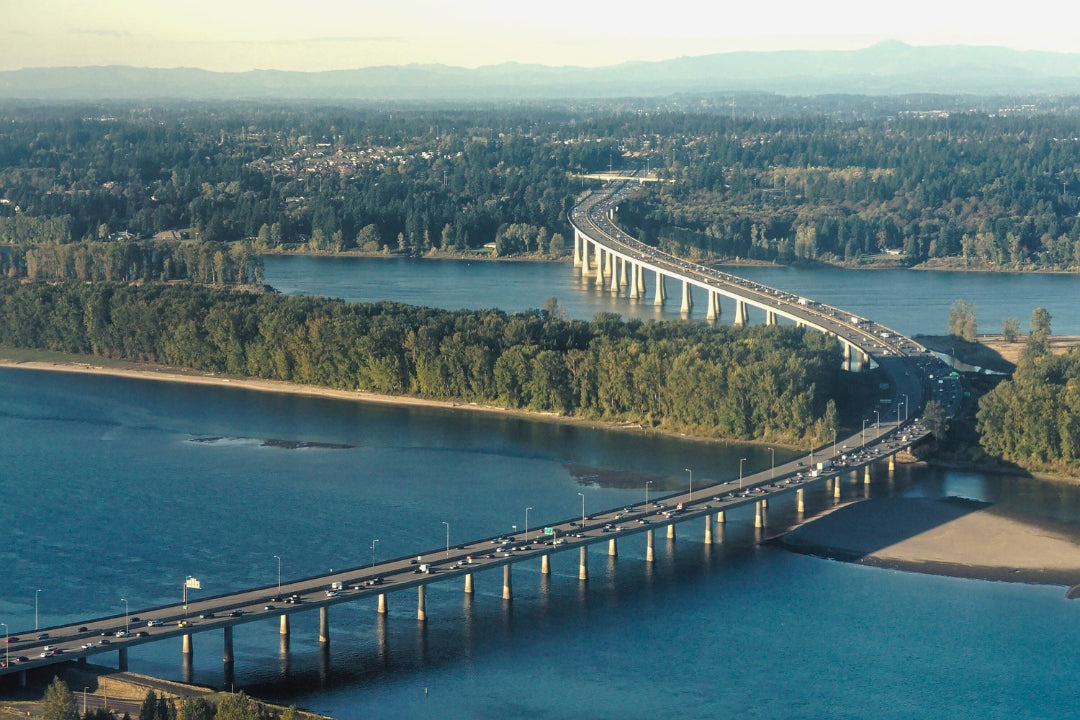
x=238 y=35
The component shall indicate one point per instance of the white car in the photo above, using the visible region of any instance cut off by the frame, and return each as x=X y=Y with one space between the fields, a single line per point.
x=154 y=623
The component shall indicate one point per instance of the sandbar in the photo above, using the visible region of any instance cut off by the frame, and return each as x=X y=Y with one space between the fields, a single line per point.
x=950 y=536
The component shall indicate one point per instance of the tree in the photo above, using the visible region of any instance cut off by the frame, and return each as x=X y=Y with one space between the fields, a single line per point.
x=962 y=320
x=1010 y=329
x=934 y=419
x=196 y=708
x=240 y=707
x=1040 y=321
x=59 y=702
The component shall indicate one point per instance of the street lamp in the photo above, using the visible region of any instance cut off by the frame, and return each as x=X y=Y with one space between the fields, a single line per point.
x=84 y=700
x=877 y=422
x=582 y=510
x=741 y=461
x=772 y=470
x=278 y=575
x=862 y=433
x=691 y=482
x=36 y=593
x=905 y=407
x=7 y=647
x=897 y=414
x=647 y=484
x=527 y=525
x=126 y=622
x=373 y=551
x=834 y=443
x=447 y=538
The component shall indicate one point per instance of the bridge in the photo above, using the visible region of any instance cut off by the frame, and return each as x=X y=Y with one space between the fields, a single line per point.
x=620 y=264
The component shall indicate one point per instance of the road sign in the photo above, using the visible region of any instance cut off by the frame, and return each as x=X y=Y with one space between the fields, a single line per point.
x=549 y=531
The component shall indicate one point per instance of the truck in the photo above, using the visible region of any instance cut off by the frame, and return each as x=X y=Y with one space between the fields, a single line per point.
x=824 y=465
x=337 y=585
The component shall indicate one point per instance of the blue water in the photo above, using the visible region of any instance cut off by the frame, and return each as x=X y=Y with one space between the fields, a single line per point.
x=104 y=495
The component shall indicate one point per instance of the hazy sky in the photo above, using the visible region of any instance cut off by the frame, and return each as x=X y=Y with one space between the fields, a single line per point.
x=236 y=35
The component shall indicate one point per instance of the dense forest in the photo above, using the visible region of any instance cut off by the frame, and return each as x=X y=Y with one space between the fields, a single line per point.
x=765 y=382
x=942 y=180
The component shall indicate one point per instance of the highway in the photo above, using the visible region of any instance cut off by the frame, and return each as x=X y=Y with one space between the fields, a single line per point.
x=910 y=368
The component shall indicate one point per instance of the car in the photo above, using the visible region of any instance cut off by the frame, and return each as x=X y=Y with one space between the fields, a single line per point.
x=82 y=629
x=183 y=623
x=49 y=647
x=12 y=638
x=104 y=641
x=142 y=633
x=87 y=645
x=136 y=618
x=268 y=607
x=48 y=653
x=236 y=613
x=22 y=659
x=154 y=623
x=121 y=634
x=43 y=636
x=334 y=593
x=207 y=615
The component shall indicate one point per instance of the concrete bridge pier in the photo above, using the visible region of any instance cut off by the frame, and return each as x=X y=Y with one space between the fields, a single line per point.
x=661 y=291
x=742 y=319
x=468 y=584
x=635 y=271
x=836 y=486
x=759 y=515
x=599 y=266
x=421 y=603
x=720 y=517
x=545 y=564
x=650 y=552
x=866 y=475
x=577 y=248
x=623 y=262
x=687 y=298
x=847 y=351
x=508 y=586
x=186 y=648
x=122 y=659
x=708 y=530
x=770 y=317
x=641 y=281
x=713 y=311
x=382 y=604
x=892 y=462
x=283 y=627
x=583 y=564
x=671 y=531
x=612 y=272
x=227 y=656
x=613 y=548
x=584 y=257
x=324 y=625
x=800 y=500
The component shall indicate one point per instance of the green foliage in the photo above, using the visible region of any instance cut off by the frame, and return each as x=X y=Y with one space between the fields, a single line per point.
x=59 y=702
x=1010 y=329
x=1040 y=321
x=195 y=708
x=962 y=320
x=761 y=382
x=239 y=706
x=1033 y=419
x=935 y=419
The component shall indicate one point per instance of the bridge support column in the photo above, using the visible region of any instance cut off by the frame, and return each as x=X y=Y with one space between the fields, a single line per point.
x=661 y=292
x=583 y=564
x=227 y=656
x=635 y=270
x=613 y=272
x=421 y=603
x=577 y=248
x=382 y=604
x=770 y=317
x=122 y=659
x=836 y=486
x=508 y=586
x=599 y=265
x=324 y=625
x=623 y=280
x=866 y=476
x=708 y=530
x=185 y=646
x=283 y=627
x=800 y=500
x=713 y=303
x=650 y=553
x=742 y=319
x=687 y=298
x=584 y=256
x=468 y=584
x=847 y=351
x=545 y=564
x=613 y=548
x=759 y=515
x=671 y=531
x=892 y=462
x=641 y=281
x=720 y=518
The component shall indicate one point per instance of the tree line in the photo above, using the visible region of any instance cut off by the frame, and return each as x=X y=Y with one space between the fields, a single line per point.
x=60 y=703
x=763 y=382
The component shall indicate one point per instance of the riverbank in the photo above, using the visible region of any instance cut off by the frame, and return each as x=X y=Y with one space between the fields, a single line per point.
x=953 y=537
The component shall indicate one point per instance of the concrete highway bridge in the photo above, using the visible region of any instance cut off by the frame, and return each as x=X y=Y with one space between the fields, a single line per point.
x=619 y=263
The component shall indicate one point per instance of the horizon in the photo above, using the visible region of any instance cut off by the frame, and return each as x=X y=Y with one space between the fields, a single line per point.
x=244 y=35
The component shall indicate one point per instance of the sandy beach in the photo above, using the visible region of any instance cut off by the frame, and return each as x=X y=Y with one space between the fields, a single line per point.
x=953 y=537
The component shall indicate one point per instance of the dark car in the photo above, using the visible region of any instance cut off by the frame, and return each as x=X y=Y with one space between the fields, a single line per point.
x=236 y=613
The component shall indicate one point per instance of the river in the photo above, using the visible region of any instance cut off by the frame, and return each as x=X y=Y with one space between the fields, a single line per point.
x=120 y=488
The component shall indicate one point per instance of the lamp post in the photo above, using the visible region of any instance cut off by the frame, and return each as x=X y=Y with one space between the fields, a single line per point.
x=772 y=469
x=834 y=443
x=373 y=551
x=647 y=484
x=741 y=461
x=126 y=622
x=84 y=700
x=447 y=538
x=897 y=414
x=527 y=525
x=877 y=421
x=905 y=407
x=7 y=647
x=691 y=483
x=582 y=510
x=278 y=575
x=36 y=593
x=862 y=433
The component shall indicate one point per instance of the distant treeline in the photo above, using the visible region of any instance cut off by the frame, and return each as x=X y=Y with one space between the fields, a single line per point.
x=771 y=382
